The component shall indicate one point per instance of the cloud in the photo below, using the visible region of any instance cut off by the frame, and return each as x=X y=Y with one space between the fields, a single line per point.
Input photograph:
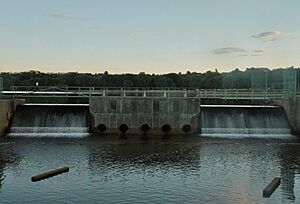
x=134 y=34
x=256 y=55
x=229 y=50
x=243 y=55
x=259 y=51
x=253 y=53
x=60 y=15
x=95 y=27
x=240 y=52
x=267 y=36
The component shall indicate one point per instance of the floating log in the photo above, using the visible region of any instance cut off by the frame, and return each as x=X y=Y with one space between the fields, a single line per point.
x=49 y=174
x=271 y=187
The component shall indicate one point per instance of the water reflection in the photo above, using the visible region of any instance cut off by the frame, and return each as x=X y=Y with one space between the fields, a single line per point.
x=165 y=171
x=289 y=166
x=237 y=168
x=144 y=158
x=7 y=159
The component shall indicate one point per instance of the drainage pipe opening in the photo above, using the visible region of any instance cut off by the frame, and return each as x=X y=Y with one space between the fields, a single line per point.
x=186 y=128
x=123 y=128
x=166 y=128
x=101 y=128
x=145 y=128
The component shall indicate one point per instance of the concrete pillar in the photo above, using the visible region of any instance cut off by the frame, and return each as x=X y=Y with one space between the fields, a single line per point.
x=7 y=108
x=153 y=111
x=292 y=110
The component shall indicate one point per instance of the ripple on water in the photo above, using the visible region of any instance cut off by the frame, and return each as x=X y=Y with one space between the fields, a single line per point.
x=203 y=171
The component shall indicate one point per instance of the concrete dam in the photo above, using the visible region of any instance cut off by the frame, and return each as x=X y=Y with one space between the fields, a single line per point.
x=153 y=115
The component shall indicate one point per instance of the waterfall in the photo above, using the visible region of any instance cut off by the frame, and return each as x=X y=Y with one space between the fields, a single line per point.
x=243 y=120
x=50 y=120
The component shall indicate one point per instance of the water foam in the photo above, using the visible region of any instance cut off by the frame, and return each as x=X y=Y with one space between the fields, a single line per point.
x=44 y=120
x=244 y=121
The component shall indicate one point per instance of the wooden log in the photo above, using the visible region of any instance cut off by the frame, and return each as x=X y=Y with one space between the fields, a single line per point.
x=49 y=174
x=271 y=187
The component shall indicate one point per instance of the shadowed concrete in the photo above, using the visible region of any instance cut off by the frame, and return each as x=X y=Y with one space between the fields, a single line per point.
x=153 y=111
x=292 y=110
x=7 y=108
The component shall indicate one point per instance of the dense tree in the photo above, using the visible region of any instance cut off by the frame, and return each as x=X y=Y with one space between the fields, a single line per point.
x=250 y=78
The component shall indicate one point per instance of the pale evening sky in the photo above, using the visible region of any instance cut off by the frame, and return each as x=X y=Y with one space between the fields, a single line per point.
x=153 y=36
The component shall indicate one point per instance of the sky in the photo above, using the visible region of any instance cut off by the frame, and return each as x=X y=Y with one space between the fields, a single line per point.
x=152 y=36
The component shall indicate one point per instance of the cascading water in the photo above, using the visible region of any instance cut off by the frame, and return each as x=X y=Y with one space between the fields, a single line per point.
x=50 y=120
x=243 y=120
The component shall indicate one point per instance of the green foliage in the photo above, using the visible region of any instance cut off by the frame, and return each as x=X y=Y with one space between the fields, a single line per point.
x=208 y=80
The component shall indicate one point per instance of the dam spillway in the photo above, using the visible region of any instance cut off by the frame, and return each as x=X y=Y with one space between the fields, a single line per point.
x=50 y=120
x=178 y=114
x=243 y=120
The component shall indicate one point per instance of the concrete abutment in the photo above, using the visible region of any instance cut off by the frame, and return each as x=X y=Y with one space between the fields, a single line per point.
x=291 y=107
x=7 y=108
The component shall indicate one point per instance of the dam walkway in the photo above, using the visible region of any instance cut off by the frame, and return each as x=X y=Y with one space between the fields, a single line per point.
x=87 y=92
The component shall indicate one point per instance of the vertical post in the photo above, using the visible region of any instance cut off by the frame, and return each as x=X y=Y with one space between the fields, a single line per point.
x=266 y=84
x=252 y=85
x=13 y=89
x=1 y=86
x=200 y=118
x=124 y=92
x=90 y=93
x=103 y=92
x=185 y=93
x=252 y=80
x=295 y=82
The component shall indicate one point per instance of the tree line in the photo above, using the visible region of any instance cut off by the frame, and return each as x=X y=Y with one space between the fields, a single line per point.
x=249 y=78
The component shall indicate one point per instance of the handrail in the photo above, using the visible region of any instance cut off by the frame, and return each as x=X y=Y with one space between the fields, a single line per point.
x=73 y=91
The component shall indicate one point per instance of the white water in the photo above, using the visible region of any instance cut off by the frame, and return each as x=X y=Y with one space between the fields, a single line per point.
x=244 y=121
x=40 y=120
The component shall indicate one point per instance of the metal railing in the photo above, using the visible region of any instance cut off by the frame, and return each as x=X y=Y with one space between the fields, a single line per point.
x=85 y=92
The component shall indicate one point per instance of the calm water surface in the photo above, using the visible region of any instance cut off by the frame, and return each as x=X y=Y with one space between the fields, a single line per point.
x=186 y=170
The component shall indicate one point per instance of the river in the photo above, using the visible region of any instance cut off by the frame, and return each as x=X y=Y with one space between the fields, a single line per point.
x=189 y=169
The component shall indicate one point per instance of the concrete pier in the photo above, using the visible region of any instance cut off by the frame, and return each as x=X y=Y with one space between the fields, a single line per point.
x=292 y=110
x=7 y=108
x=179 y=113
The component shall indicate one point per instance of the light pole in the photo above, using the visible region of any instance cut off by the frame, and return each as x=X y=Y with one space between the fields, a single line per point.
x=1 y=85
x=252 y=91
x=266 y=84
x=266 y=81
x=252 y=80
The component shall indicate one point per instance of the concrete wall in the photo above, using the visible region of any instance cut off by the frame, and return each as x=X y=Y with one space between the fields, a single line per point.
x=7 y=108
x=135 y=111
x=292 y=110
